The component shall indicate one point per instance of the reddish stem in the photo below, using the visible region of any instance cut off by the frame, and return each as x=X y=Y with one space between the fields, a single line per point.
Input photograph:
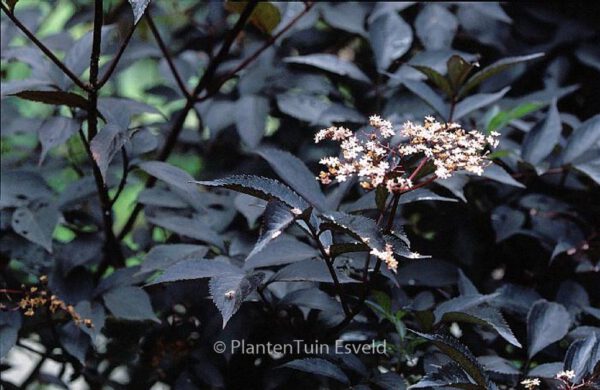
x=10 y=291
x=418 y=168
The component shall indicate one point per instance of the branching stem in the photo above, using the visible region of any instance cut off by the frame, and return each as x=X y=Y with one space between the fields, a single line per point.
x=112 y=247
x=168 y=58
x=393 y=207
x=65 y=69
x=204 y=84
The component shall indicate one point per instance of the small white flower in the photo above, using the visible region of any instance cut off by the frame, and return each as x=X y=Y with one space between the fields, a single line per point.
x=384 y=126
x=455 y=330
x=449 y=147
x=330 y=161
x=568 y=375
x=530 y=384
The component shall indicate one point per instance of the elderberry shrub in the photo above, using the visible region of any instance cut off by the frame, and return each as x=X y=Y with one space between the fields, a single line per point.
x=267 y=195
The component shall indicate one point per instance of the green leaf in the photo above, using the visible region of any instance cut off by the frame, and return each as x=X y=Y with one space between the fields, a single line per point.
x=384 y=301
x=399 y=324
x=503 y=118
x=378 y=309
x=260 y=187
x=494 y=69
x=265 y=16
x=435 y=77
x=57 y=98
x=458 y=70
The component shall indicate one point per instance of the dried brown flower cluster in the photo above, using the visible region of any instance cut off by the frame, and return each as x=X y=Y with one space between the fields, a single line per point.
x=36 y=298
x=376 y=162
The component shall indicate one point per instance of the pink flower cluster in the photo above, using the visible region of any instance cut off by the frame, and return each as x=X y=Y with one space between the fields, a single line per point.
x=376 y=162
x=450 y=147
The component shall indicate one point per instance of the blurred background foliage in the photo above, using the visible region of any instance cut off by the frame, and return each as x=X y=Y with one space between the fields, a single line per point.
x=527 y=229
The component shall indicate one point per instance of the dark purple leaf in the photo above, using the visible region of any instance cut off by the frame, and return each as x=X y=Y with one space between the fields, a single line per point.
x=57 y=98
x=106 y=144
x=130 y=303
x=229 y=290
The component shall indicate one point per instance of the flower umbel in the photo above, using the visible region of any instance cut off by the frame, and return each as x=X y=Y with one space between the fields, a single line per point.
x=372 y=157
x=450 y=147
